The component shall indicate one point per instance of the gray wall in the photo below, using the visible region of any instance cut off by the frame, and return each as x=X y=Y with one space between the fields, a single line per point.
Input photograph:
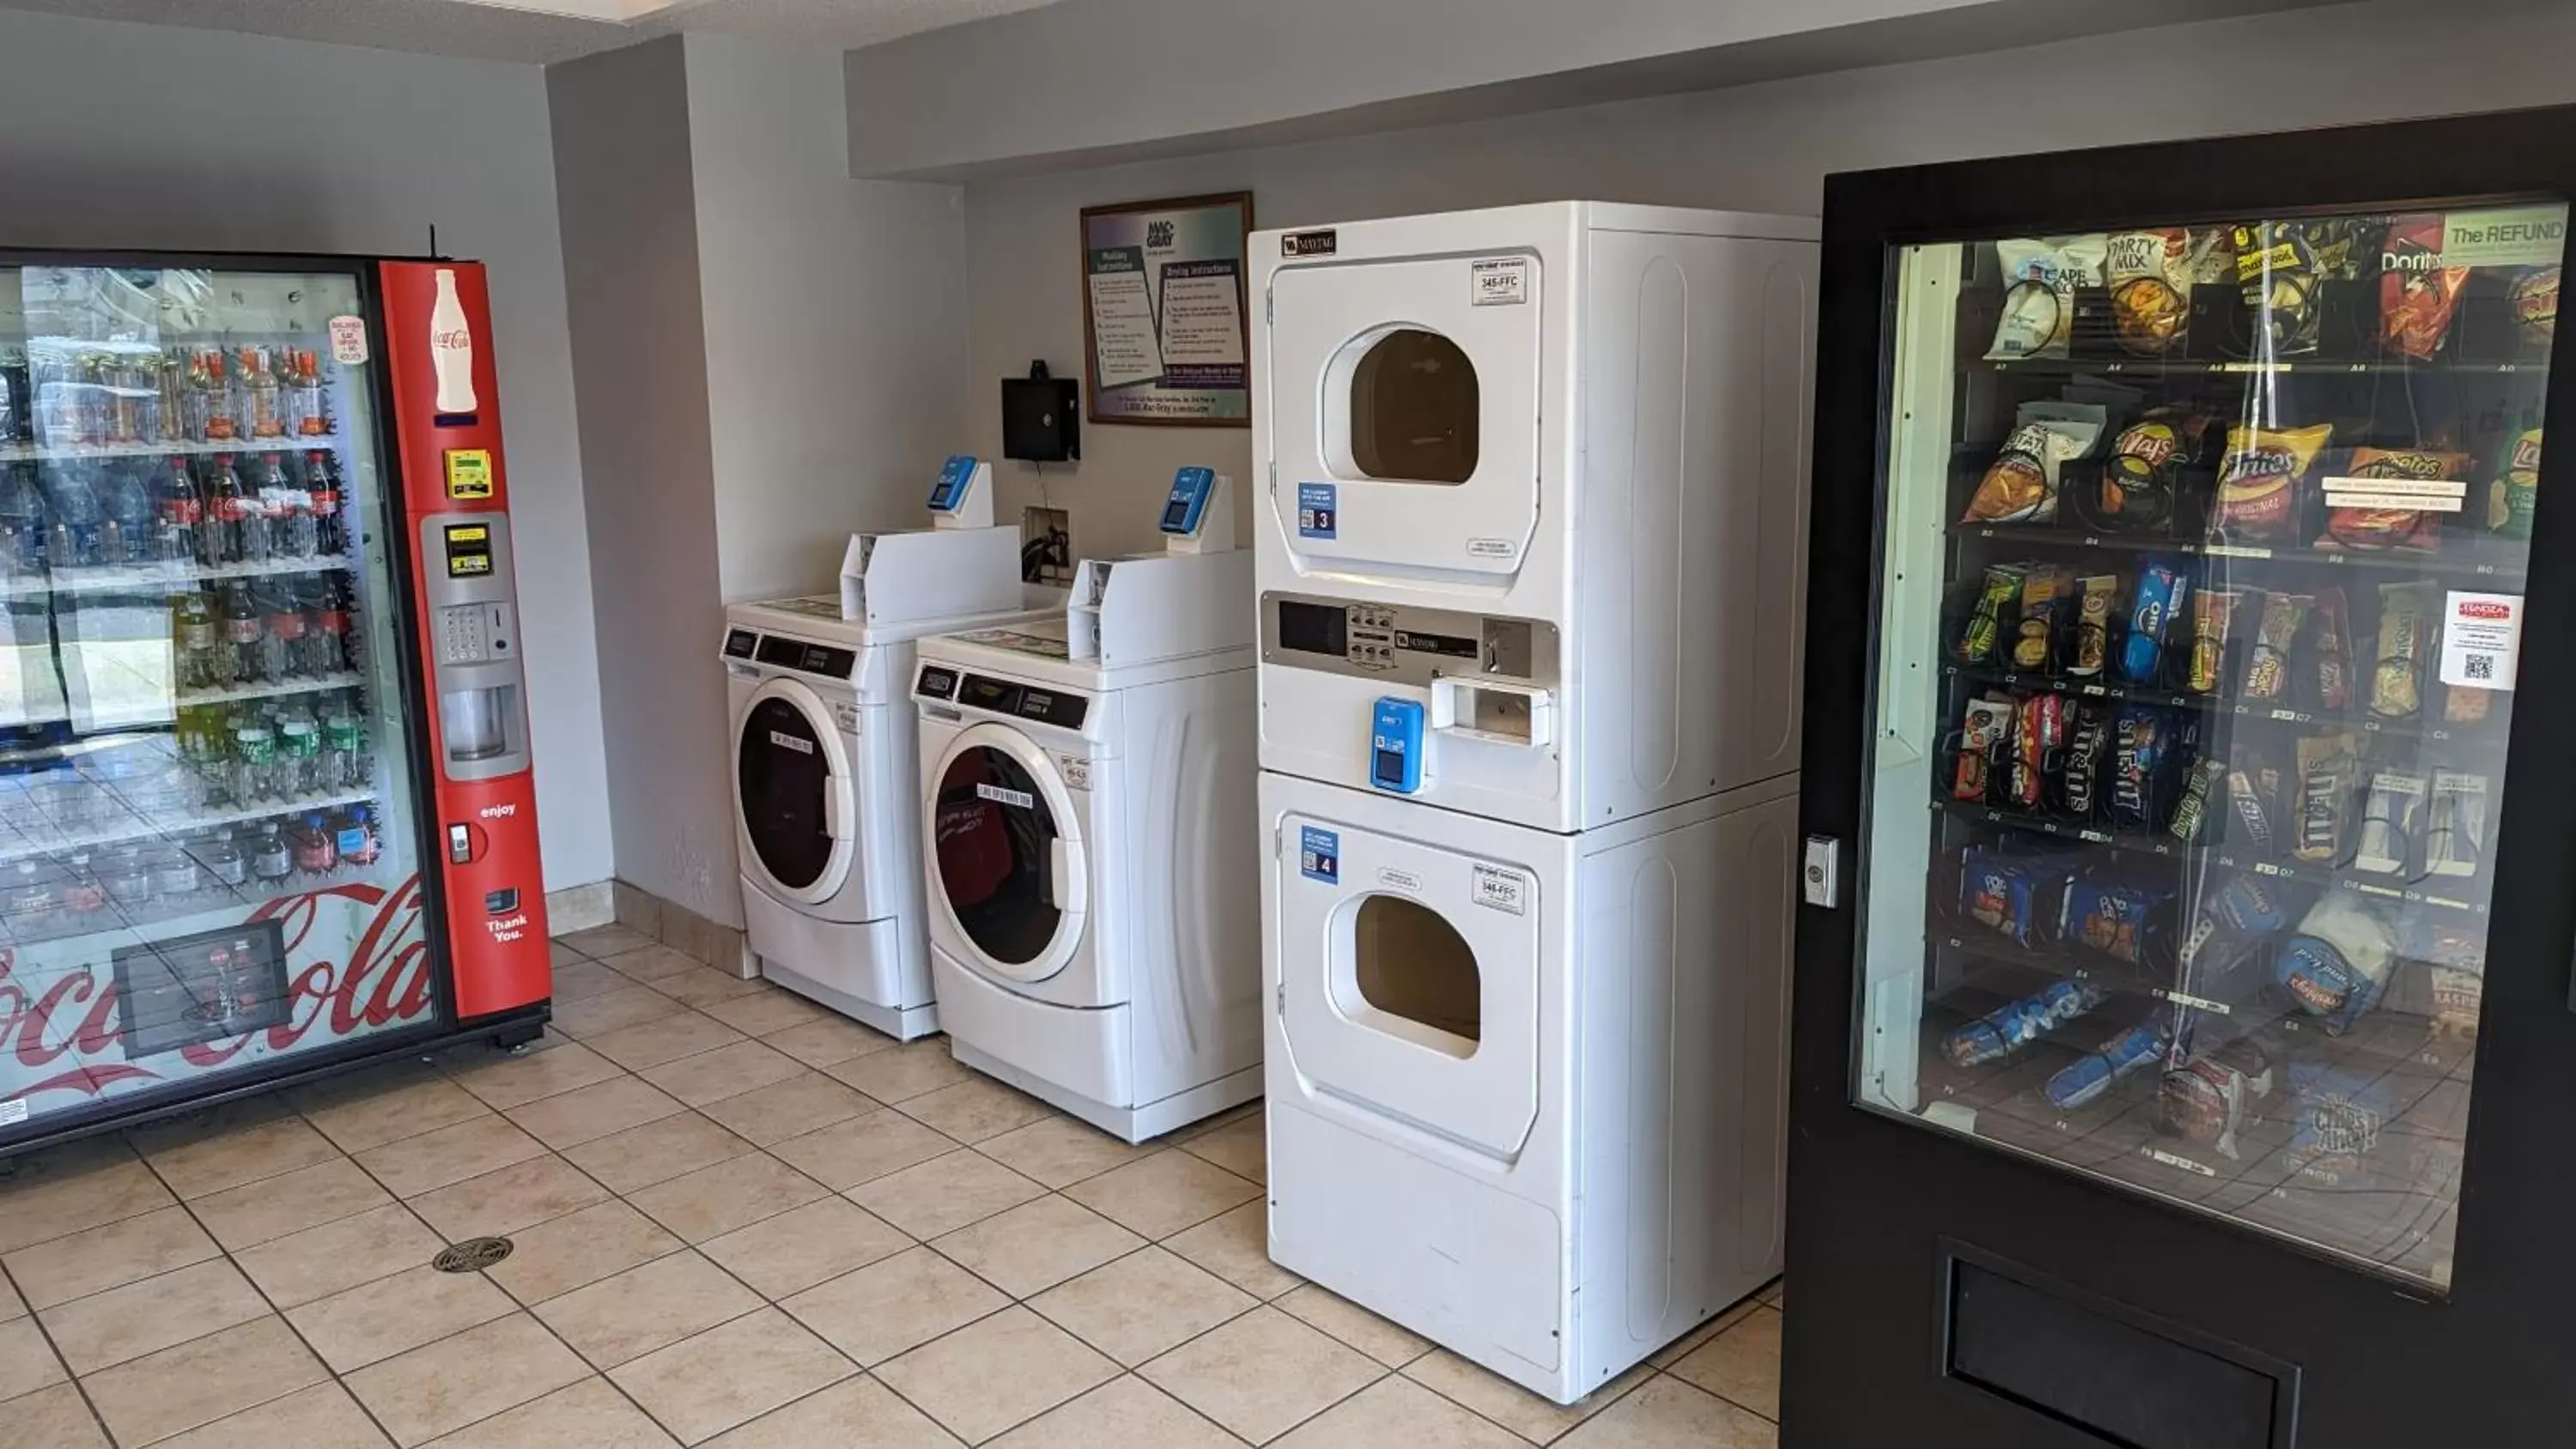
x=1758 y=148
x=770 y=355
x=835 y=337
x=140 y=136
x=622 y=173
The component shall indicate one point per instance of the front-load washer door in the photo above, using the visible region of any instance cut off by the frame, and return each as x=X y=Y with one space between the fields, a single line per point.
x=1404 y=399
x=793 y=800
x=1006 y=852
x=1411 y=980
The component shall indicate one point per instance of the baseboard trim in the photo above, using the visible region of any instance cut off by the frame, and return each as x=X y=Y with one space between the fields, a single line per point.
x=578 y=908
x=683 y=930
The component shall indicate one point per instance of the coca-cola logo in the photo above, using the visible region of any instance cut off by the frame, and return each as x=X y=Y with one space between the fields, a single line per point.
x=70 y=1021
x=451 y=339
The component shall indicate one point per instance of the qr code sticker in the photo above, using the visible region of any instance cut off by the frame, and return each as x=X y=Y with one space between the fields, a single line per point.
x=2478 y=666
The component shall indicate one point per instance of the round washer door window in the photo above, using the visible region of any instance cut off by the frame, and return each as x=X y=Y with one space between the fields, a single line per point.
x=784 y=772
x=995 y=841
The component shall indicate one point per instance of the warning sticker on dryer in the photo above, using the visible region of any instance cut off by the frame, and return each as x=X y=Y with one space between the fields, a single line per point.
x=1016 y=799
x=1077 y=771
x=1319 y=854
x=1318 y=510
x=1500 y=282
x=1502 y=888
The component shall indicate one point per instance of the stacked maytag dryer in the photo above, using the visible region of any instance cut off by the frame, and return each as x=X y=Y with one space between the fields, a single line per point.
x=1529 y=583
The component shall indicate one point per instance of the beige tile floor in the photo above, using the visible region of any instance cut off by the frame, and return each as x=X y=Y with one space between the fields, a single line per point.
x=739 y=1222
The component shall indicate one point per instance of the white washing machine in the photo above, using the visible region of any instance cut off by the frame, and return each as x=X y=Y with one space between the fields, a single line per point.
x=825 y=771
x=1088 y=800
x=1530 y=586
x=1527 y=1090
x=1517 y=463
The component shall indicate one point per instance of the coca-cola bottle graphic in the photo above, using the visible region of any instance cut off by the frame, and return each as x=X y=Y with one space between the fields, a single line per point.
x=451 y=348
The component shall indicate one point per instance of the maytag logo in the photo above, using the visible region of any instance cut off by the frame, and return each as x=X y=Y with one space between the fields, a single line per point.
x=1323 y=243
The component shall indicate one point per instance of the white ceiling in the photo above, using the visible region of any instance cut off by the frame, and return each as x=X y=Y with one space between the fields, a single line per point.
x=503 y=30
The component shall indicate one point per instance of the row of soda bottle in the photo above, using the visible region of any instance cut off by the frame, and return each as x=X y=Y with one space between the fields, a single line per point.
x=258 y=751
x=70 y=892
x=270 y=630
x=69 y=514
x=130 y=393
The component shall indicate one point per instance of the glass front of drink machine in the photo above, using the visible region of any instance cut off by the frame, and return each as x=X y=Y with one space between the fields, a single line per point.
x=2204 y=550
x=206 y=826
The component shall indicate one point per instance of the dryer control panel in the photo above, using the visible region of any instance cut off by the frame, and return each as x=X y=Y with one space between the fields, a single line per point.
x=1403 y=644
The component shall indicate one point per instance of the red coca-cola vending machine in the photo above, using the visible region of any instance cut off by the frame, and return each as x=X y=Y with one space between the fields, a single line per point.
x=265 y=802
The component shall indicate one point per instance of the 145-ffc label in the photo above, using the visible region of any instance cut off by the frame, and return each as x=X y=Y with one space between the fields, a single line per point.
x=1502 y=889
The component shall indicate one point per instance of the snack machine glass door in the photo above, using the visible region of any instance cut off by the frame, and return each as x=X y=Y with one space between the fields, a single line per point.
x=2204 y=555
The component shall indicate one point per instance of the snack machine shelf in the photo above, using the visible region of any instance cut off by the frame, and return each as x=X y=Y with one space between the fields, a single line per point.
x=2189 y=367
x=2486 y=732
x=2500 y=564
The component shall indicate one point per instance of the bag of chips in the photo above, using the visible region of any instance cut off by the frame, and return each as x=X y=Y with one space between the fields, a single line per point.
x=2141 y=480
x=2020 y=486
x=2276 y=266
x=2367 y=507
x=2040 y=278
x=2418 y=295
x=2150 y=276
x=1988 y=722
x=2262 y=482
x=2516 y=488
x=2534 y=299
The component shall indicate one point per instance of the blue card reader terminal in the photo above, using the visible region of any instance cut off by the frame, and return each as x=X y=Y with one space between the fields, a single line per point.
x=1395 y=745
x=956 y=477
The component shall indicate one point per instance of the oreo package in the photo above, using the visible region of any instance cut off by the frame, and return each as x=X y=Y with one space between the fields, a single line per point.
x=2161 y=593
x=2086 y=1079
x=2016 y=1024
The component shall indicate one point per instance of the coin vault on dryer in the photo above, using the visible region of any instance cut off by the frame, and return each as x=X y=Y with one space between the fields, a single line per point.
x=825 y=774
x=1088 y=802
x=1529 y=601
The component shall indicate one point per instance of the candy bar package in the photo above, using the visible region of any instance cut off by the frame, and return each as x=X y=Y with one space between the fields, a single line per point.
x=2263 y=482
x=2458 y=997
x=2095 y=598
x=2150 y=276
x=2254 y=800
x=2089 y=1077
x=2418 y=295
x=2331 y=634
x=2010 y=1027
x=2200 y=787
x=2455 y=839
x=2123 y=921
x=2213 y=613
x=2267 y=664
x=2339 y=962
x=2391 y=820
x=2041 y=589
x=2088 y=743
x=1995 y=596
x=2276 y=266
x=2141 y=736
x=2516 y=485
x=2229 y=922
x=2162 y=591
x=1988 y=722
x=2020 y=486
x=2142 y=481
x=2397 y=674
x=2391 y=518
x=2037 y=733
x=2533 y=295
x=2336 y=1120
x=2040 y=278
x=2327 y=769
x=2211 y=1097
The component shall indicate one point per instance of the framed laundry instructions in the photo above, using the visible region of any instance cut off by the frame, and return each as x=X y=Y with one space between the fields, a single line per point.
x=1163 y=311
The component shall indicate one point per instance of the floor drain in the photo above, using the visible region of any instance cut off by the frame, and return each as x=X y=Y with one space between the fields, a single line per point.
x=471 y=1256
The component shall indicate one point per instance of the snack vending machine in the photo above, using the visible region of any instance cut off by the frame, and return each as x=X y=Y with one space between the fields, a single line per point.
x=2184 y=1049
x=265 y=801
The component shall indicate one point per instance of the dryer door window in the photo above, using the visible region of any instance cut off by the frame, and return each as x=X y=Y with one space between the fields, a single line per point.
x=785 y=772
x=1408 y=962
x=1412 y=410
x=997 y=844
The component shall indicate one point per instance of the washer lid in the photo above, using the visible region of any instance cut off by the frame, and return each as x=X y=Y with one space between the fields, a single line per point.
x=1006 y=853
x=792 y=793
